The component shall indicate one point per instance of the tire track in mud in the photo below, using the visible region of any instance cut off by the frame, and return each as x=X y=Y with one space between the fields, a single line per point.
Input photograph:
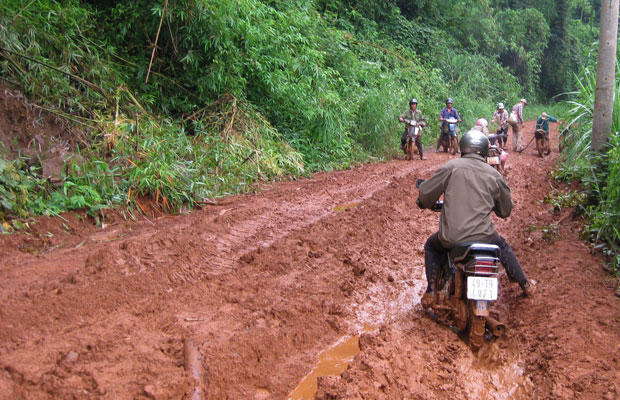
x=116 y=275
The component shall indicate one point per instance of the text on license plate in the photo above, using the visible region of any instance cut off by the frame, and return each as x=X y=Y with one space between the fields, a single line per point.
x=493 y=160
x=481 y=288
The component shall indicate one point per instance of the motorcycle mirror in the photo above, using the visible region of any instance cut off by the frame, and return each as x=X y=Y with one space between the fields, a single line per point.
x=418 y=183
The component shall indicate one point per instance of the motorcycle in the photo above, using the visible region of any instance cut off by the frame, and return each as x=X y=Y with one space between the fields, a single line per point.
x=413 y=144
x=466 y=288
x=497 y=157
x=542 y=143
x=450 y=133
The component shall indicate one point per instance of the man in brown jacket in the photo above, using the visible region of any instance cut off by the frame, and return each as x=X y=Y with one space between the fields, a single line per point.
x=471 y=189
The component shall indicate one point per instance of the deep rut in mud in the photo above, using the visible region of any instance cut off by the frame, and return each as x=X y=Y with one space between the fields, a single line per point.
x=263 y=283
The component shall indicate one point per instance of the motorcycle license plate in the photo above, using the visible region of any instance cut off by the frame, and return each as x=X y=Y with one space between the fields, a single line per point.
x=481 y=288
x=493 y=160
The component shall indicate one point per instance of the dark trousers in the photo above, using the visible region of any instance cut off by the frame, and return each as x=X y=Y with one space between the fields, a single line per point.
x=434 y=251
x=501 y=131
x=418 y=142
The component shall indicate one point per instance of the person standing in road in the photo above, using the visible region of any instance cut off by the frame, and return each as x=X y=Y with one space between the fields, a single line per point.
x=500 y=117
x=416 y=115
x=543 y=123
x=516 y=121
x=446 y=112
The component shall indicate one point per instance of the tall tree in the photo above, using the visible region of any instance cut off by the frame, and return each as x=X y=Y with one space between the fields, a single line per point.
x=558 y=65
x=605 y=74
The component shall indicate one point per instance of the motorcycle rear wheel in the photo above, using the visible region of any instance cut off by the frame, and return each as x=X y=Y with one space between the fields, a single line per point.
x=476 y=332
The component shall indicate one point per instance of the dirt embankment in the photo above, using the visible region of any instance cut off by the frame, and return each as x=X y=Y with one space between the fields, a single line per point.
x=262 y=283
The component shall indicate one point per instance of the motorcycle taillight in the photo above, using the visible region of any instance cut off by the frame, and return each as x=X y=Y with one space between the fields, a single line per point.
x=482 y=266
x=485 y=270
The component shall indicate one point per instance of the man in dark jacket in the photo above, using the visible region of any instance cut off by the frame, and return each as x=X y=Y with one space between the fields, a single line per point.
x=471 y=189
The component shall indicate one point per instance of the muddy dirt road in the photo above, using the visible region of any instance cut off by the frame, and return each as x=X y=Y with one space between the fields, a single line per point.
x=264 y=283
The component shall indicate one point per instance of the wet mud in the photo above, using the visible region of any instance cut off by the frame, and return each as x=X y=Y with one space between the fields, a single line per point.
x=261 y=285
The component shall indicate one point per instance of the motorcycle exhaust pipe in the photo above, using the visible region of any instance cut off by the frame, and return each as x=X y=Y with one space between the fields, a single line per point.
x=497 y=328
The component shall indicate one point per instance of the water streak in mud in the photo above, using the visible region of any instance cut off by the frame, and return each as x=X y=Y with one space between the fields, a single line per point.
x=332 y=361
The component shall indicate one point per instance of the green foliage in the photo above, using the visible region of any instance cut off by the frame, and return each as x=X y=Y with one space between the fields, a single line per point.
x=599 y=173
x=561 y=200
x=18 y=183
x=232 y=92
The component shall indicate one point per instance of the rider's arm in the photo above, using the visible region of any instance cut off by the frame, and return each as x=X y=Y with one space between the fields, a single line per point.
x=503 y=201
x=421 y=118
x=442 y=114
x=431 y=189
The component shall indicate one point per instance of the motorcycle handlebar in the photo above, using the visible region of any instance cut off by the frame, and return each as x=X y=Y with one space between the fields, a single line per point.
x=413 y=122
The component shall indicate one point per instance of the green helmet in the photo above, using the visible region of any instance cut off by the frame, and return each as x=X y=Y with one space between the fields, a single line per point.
x=474 y=142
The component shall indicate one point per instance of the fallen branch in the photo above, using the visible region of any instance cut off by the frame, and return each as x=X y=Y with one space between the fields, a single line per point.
x=192 y=360
x=161 y=20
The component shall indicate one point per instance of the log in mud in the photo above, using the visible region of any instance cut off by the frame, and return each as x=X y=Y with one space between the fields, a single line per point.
x=264 y=283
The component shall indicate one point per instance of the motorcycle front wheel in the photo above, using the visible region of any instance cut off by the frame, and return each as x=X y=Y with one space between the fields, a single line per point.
x=410 y=149
x=540 y=146
x=454 y=144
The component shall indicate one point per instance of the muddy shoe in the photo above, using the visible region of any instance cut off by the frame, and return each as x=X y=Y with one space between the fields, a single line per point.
x=528 y=289
x=427 y=300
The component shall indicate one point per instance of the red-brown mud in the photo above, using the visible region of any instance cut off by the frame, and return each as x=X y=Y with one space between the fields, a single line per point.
x=263 y=283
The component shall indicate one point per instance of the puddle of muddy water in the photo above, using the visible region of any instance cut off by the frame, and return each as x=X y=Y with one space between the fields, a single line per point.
x=332 y=361
x=383 y=304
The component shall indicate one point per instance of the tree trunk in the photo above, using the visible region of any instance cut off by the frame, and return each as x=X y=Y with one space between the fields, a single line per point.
x=605 y=74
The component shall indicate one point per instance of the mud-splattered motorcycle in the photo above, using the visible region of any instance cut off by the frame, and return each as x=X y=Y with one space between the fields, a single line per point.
x=449 y=132
x=466 y=288
x=542 y=143
x=497 y=158
x=413 y=143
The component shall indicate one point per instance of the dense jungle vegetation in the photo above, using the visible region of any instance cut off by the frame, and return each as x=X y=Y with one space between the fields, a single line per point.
x=183 y=101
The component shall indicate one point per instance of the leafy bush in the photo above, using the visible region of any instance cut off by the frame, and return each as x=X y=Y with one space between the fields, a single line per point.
x=599 y=173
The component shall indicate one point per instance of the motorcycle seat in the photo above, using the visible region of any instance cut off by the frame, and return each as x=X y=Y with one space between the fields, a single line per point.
x=462 y=250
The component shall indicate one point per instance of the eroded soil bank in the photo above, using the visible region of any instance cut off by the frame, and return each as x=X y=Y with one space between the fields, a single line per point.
x=262 y=283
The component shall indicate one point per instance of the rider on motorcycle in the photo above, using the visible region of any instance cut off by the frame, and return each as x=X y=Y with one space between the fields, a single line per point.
x=412 y=114
x=446 y=112
x=482 y=125
x=471 y=189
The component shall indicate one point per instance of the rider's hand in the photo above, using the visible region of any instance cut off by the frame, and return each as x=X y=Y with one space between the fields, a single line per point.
x=400 y=119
